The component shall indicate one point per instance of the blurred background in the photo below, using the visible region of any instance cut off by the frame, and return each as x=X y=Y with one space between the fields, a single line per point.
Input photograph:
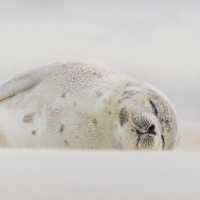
x=155 y=41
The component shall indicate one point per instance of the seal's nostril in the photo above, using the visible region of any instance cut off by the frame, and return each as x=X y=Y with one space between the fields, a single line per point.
x=151 y=128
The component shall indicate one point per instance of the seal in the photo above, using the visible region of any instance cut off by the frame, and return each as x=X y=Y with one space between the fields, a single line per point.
x=84 y=105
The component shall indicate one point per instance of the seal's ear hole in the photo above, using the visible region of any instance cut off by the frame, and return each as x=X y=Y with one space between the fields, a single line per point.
x=123 y=116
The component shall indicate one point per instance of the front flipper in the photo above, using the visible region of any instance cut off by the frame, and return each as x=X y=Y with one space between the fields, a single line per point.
x=19 y=84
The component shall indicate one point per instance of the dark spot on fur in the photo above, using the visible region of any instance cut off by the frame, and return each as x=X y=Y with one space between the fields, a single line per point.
x=66 y=143
x=125 y=92
x=123 y=116
x=129 y=93
x=119 y=101
x=33 y=132
x=119 y=146
x=75 y=104
x=63 y=95
x=164 y=120
x=29 y=118
x=61 y=128
x=128 y=84
x=99 y=94
x=108 y=112
x=95 y=121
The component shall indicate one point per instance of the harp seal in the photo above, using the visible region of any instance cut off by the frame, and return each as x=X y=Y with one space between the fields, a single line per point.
x=84 y=105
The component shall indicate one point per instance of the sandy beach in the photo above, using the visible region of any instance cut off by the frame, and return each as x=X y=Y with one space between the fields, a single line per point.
x=48 y=175
x=98 y=175
x=188 y=140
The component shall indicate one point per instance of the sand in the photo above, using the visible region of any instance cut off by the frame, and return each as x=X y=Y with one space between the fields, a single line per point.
x=188 y=140
x=106 y=175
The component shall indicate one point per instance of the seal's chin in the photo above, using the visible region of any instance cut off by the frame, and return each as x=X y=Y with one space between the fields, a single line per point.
x=146 y=142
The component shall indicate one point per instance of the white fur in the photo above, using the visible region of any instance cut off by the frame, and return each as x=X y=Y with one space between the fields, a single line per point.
x=73 y=105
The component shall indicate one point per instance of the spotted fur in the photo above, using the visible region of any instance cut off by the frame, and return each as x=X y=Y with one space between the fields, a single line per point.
x=90 y=106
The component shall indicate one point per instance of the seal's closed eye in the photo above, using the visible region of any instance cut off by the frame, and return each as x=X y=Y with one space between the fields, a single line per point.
x=163 y=141
x=154 y=107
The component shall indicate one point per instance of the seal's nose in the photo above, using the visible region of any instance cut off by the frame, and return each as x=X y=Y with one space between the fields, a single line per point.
x=151 y=130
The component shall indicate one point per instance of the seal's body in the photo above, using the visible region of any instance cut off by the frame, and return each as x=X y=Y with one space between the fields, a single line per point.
x=82 y=105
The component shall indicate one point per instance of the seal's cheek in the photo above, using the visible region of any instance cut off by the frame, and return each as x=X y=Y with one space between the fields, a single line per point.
x=158 y=143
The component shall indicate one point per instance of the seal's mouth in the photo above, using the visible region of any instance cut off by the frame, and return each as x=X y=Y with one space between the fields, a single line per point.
x=144 y=141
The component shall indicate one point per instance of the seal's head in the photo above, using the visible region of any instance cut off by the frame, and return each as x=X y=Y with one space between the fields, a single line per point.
x=147 y=120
